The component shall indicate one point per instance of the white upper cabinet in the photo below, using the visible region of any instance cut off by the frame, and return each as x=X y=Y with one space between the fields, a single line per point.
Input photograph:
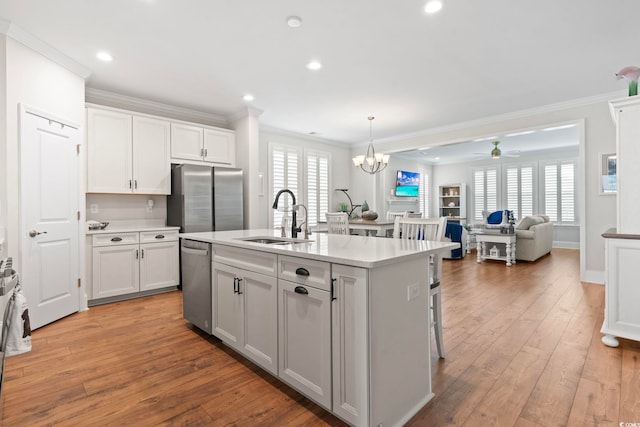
x=109 y=155
x=186 y=142
x=127 y=154
x=202 y=145
x=219 y=146
x=151 y=156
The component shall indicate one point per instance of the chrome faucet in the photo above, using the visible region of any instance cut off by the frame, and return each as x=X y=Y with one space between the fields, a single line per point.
x=294 y=229
x=307 y=232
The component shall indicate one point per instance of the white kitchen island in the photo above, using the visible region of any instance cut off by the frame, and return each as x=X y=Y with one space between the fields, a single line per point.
x=343 y=319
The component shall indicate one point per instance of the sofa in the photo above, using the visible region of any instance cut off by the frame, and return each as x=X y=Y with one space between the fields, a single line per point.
x=534 y=237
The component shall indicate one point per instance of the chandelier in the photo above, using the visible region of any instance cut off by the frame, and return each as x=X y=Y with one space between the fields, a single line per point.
x=371 y=162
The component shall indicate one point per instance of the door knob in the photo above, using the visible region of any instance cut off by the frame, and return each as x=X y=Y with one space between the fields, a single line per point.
x=34 y=233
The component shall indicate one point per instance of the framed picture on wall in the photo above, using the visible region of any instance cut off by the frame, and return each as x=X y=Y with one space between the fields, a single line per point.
x=608 y=173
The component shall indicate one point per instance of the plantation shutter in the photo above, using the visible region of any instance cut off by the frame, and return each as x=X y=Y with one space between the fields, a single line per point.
x=284 y=174
x=317 y=186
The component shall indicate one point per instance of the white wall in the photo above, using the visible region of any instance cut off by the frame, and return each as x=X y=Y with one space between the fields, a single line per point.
x=598 y=136
x=33 y=80
x=340 y=166
x=3 y=146
x=126 y=207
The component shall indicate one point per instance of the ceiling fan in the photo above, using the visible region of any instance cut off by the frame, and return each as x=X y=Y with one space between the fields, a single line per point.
x=497 y=153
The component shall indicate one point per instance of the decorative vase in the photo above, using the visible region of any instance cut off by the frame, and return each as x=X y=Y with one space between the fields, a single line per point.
x=370 y=215
x=631 y=74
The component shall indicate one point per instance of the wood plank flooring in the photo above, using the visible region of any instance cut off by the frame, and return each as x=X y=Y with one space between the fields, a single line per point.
x=522 y=344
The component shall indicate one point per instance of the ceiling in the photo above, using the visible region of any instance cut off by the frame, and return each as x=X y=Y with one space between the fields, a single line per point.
x=412 y=71
x=517 y=145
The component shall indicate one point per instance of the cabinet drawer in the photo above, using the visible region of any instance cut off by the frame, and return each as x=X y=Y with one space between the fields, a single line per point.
x=305 y=271
x=257 y=261
x=115 y=239
x=158 y=236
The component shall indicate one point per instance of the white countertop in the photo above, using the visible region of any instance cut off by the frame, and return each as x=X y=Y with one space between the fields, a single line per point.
x=358 y=251
x=129 y=227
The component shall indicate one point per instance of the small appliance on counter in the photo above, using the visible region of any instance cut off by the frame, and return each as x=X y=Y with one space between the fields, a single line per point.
x=97 y=225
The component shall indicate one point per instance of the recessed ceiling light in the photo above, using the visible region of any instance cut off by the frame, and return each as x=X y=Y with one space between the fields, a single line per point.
x=526 y=132
x=104 y=56
x=314 y=65
x=248 y=97
x=433 y=6
x=294 y=21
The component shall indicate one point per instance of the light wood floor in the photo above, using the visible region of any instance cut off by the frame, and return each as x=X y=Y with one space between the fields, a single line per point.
x=523 y=349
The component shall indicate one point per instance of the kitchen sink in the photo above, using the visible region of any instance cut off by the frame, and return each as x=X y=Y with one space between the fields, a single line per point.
x=270 y=240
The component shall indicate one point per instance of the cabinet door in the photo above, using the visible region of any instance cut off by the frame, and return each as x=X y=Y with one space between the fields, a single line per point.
x=304 y=333
x=260 y=295
x=220 y=147
x=228 y=310
x=349 y=339
x=109 y=155
x=115 y=270
x=186 y=142
x=151 y=156
x=158 y=265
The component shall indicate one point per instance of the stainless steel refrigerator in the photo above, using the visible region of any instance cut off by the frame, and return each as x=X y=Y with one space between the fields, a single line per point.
x=205 y=198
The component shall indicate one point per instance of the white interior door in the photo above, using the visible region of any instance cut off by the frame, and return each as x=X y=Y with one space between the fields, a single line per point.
x=49 y=229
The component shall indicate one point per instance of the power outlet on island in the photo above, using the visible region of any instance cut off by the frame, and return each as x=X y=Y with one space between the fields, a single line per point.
x=413 y=291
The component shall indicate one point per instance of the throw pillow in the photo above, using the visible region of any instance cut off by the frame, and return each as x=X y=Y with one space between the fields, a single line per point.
x=495 y=218
x=525 y=223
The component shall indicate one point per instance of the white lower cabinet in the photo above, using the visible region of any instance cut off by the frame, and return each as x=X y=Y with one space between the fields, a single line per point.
x=350 y=344
x=304 y=331
x=307 y=323
x=622 y=293
x=126 y=263
x=245 y=313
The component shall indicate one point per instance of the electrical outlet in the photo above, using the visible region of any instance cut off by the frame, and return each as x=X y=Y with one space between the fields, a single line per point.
x=413 y=291
x=93 y=207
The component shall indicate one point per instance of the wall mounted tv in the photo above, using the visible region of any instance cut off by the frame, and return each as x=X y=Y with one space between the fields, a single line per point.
x=407 y=184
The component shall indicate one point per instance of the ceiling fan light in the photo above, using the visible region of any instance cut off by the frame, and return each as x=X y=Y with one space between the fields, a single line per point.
x=495 y=153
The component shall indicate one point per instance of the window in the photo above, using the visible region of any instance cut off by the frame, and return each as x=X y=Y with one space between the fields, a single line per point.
x=306 y=175
x=317 y=186
x=284 y=174
x=423 y=193
x=519 y=192
x=560 y=191
x=485 y=191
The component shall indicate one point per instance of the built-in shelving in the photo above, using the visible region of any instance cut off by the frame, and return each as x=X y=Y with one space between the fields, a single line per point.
x=452 y=202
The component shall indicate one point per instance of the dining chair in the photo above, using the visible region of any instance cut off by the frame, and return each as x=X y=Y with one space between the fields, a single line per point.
x=392 y=215
x=337 y=222
x=414 y=214
x=427 y=229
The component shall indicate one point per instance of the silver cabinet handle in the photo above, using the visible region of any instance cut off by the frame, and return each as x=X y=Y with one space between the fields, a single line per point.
x=34 y=233
x=205 y=152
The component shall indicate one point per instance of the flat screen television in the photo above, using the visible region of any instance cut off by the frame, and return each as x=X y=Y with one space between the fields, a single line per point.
x=407 y=184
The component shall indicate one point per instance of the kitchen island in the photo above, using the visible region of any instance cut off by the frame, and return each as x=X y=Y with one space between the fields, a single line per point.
x=343 y=319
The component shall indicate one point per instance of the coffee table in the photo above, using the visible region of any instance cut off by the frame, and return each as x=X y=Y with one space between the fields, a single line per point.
x=485 y=236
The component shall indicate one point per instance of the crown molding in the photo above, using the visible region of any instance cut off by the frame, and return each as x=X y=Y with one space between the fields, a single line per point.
x=111 y=99
x=244 y=112
x=18 y=34
x=292 y=134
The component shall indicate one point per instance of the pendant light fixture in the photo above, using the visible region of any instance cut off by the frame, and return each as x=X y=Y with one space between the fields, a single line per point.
x=495 y=153
x=372 y=162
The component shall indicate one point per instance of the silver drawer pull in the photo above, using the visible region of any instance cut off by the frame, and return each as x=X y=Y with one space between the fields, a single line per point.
x=160 y=236
x=116 y=239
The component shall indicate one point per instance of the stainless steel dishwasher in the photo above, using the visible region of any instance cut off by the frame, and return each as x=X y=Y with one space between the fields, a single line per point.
x=196 y=283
